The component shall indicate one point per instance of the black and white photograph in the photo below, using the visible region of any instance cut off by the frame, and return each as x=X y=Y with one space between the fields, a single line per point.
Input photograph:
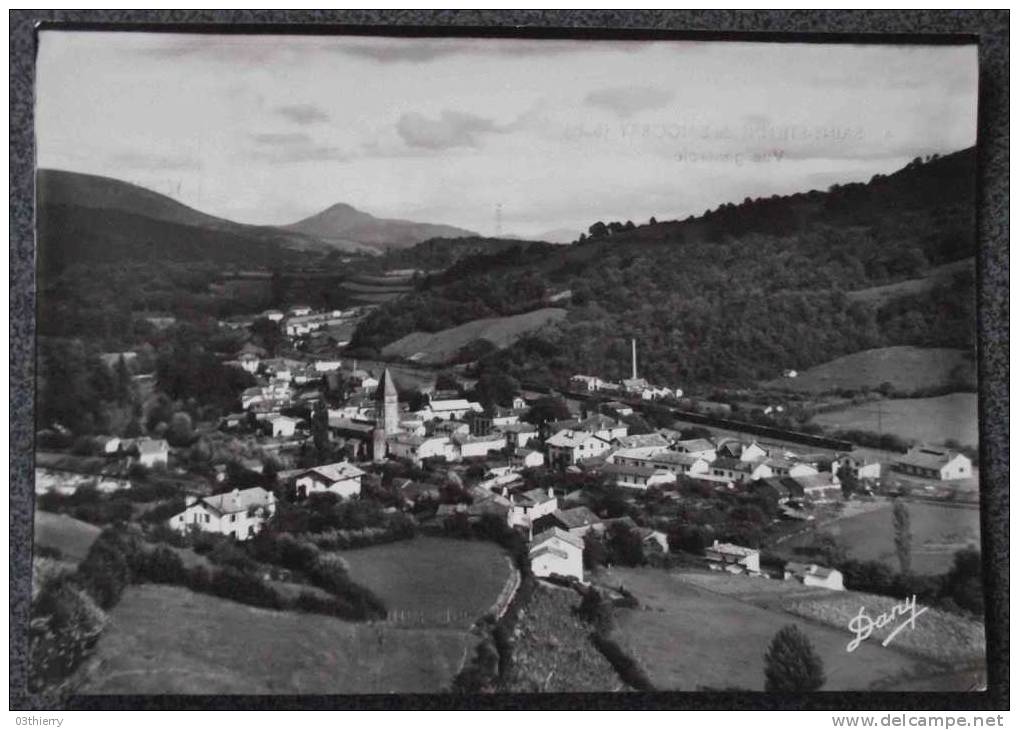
x=452 y=365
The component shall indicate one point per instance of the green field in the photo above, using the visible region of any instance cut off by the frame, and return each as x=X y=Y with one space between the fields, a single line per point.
x=71 y=537
x=432 y=580
x=938 y=532
x=443 y=346
x=167 y=640
x=879 y=295
x=906 y=368
x=689 y=637
x=933 y=420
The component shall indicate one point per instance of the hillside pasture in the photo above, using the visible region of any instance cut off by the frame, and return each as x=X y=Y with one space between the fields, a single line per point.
x=167 y=640
x=879 y=295
x=432 y=581
x=931 y=420
x=443 y=346
x=689 y=638
x=938 y=531
x=908 y=369
x=73 y=538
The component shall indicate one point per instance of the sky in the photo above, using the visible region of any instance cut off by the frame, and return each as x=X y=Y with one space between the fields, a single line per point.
x=552 y=133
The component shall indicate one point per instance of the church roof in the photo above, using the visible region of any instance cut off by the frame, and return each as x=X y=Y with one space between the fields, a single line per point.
x=386 y=386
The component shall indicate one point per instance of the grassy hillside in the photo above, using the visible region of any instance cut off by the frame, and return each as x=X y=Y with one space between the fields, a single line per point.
x=689 y=638
x=731 y=296
x=406 y=575
x=938 y=275
x=951 y=417
x=167 y=640
x=906 y=368
x=71 y=537
x=448 y=345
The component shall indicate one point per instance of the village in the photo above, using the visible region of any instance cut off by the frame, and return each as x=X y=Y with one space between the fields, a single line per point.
x=560 y=481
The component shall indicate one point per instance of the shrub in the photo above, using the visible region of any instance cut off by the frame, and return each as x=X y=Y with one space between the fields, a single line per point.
x=105 y=572
x=234 y=585
x=163 y=565
x=791 y=664
x=66 y=623
x=625 y=665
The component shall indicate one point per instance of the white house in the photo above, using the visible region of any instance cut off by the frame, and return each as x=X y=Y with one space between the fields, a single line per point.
x=417 y=448
x=586 y=382
x=249 y=362
x=528 y=506
x=557 y=552
x=638 y=477
x=473 y=446
x=568 y=447
x=672 y=461
x=737 y=471
x=108 y=445
x=932 y=462
x=733 y=558
x=860 y=464
x=454 y=408
x=518 y=435
x=153 y=452
x=782 y=466
x=696 y=447
x=813 y=575
x=239 y=514
x=327 y=366
x=283 y=426
x=528 y=458
x=753 y=452
x=342 y=478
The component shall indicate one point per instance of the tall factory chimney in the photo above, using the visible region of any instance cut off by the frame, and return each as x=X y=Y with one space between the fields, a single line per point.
x=633 y=347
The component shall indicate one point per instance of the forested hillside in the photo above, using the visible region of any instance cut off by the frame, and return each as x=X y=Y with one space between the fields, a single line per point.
x=732 y=296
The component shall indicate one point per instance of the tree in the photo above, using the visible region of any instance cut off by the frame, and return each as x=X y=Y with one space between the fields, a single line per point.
x=625 y=545
x=848 y=479
x=964 y=582
x=320 y=430
x=598 y=230
x=791 y=664
x=903 y=536
x=547 y=409
x=594 y=551
x=180 y=432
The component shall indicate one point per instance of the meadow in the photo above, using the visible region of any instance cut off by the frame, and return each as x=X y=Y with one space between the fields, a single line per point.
x=167 y=640
x=932 y=420
x=939 y=530
x=938 y=635
x=445 y=345
x=907 y=369
x=689 y=638
x=432 y=580
x=71 y=537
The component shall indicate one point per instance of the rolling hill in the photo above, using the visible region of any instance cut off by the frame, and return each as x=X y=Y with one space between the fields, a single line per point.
x=733 y=296
x=92 y=219
x=343 y=225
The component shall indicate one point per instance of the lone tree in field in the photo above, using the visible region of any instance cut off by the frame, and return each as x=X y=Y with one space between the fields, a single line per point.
x=791 y=664
x=903 y=536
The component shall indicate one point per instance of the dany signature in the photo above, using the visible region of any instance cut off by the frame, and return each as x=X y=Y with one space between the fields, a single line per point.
x=863 y=625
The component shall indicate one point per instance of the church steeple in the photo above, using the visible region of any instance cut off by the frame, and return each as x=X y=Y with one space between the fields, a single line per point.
x=387 y=405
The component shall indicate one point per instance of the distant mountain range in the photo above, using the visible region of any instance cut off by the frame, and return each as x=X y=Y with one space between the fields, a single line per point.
x=93 y=219
x=343 y=225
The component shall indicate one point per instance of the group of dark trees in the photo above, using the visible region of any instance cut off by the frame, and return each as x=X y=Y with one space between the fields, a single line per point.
x=734 y=296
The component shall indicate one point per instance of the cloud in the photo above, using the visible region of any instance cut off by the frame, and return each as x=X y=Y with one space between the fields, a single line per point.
x=303 y=113
x=155 y=161
x=423 y=50
x=284 y=147
x=450 y=129
x=625 y=101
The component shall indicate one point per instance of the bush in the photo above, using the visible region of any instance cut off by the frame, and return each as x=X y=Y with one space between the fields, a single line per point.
x=234 y=585
x=105 y=572
x=66 y=623
x=163 y=565
x=626 y=666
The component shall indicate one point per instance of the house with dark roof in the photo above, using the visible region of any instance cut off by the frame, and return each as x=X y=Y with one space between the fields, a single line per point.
x=859 y=463
x=557 y=552
x=932 y=462
x=341 y=478
x=813 y=575
x=240 y=514
x=576 y=520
